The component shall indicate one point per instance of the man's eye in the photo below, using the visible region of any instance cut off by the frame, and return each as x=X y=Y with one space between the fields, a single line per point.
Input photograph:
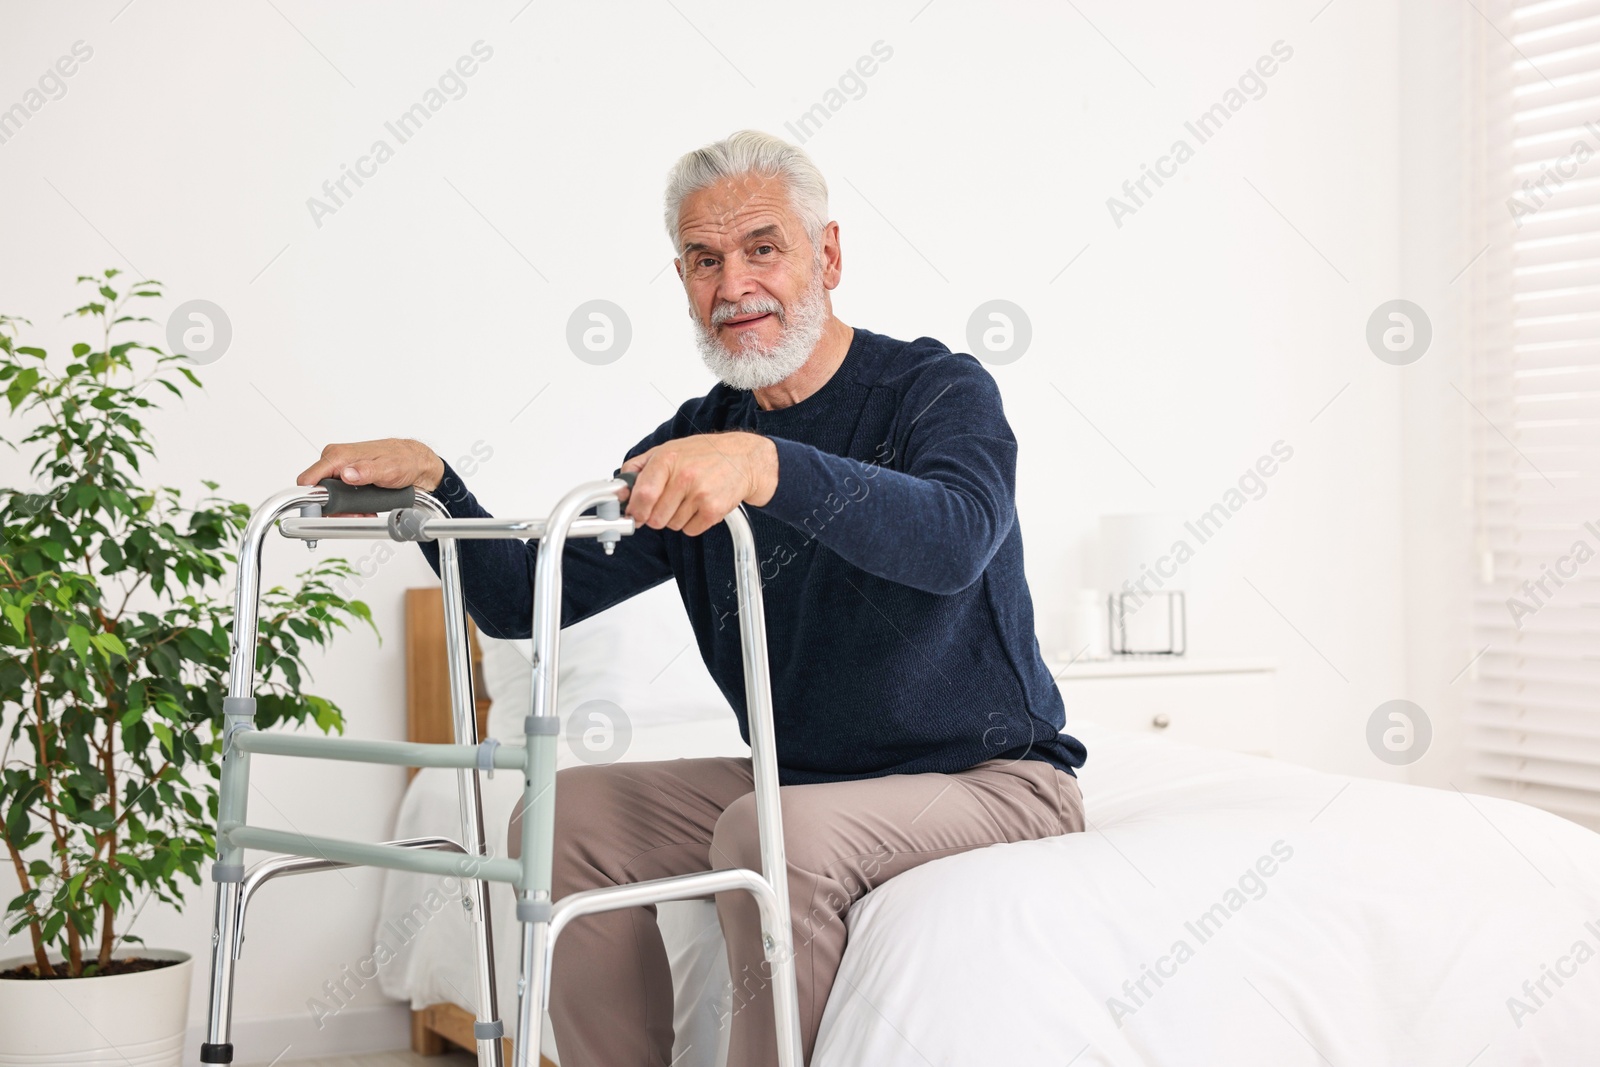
x=764 y=248
x=707 y=262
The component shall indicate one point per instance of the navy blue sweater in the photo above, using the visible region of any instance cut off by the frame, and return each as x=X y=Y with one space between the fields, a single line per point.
x=899 y=622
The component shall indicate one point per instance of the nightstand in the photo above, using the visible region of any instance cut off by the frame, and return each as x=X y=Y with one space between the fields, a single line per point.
x=1217 y=703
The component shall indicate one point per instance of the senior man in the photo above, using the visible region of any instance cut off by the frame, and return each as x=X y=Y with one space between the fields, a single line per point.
x=915 y=717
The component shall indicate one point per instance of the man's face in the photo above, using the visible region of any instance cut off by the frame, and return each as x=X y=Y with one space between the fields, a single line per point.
x=745 y=262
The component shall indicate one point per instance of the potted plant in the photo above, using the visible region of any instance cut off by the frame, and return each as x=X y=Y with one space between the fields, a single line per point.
x=113 y=665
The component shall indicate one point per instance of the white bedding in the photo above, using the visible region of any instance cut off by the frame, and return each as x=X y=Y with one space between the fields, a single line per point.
x=1393 y=928
x=1354 y=922
x=1395 y=931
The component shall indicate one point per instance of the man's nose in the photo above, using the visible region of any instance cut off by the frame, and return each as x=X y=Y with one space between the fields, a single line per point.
x=737 y=282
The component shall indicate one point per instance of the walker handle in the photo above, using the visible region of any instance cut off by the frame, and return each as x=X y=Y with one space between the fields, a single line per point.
x=365 y=499
x=630 y=477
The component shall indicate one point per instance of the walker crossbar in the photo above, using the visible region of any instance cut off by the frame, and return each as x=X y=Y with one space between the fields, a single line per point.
x=392 y=753
x=439 y=529
x=367 y=854
x=276 y=867
x=413 y=515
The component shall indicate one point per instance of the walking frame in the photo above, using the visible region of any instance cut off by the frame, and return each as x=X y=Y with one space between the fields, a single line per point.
x=415 y=515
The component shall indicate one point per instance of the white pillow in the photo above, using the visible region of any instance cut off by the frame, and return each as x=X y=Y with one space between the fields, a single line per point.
x=639 y=656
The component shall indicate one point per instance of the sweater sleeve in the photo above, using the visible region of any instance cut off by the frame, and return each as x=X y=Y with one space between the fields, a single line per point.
x=497 y=574
x=932 y=508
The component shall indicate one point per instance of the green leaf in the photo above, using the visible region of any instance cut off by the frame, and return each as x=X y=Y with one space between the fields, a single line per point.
x=22 y=385
x=17 y=823
x=79 y=636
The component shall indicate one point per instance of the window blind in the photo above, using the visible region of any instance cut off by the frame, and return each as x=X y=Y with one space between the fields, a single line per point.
x=1535 y=687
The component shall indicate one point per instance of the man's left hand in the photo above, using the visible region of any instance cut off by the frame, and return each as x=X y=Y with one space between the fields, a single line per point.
x=690 y=484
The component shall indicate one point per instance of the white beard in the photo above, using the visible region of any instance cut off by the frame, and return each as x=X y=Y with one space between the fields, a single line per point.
x=750 y=367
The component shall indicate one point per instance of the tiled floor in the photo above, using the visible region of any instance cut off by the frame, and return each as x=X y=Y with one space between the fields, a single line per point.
x=405 y=1058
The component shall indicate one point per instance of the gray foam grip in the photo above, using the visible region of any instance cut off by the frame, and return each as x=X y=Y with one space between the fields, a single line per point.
x=357 y=499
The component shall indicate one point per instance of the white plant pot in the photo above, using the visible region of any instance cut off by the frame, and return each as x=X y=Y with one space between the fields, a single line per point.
x=118 y=1020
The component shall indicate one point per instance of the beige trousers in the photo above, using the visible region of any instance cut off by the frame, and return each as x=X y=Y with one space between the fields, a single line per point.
x=611 y=988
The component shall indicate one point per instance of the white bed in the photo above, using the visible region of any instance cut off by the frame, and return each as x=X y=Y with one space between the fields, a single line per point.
x=1352 y=921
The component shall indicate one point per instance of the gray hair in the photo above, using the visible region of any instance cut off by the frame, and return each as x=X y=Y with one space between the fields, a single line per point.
x=745 y=152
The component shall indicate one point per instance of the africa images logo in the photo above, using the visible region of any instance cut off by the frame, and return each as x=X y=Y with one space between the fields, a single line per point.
x=451 y=85
x=1252 y=85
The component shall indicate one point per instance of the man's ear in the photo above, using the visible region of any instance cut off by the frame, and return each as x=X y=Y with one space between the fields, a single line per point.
x=832 y=256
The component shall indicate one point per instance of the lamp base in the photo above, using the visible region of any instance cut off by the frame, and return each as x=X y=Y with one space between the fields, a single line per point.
x=1145 y=626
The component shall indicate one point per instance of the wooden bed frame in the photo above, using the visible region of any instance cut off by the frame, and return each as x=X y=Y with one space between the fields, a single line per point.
x=439 y=1028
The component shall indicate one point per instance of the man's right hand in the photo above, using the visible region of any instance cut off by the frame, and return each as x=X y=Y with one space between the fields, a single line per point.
x=392 y=463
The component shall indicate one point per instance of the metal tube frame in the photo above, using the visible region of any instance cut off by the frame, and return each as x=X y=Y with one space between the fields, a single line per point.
x=234 y=885
x=542 y=919
x=392 y=753
x=267 y=870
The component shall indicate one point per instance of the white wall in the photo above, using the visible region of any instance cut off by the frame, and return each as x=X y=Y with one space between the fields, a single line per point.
x=1222 y=317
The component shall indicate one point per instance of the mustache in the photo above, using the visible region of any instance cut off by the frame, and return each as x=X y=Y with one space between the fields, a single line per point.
x=725 y=312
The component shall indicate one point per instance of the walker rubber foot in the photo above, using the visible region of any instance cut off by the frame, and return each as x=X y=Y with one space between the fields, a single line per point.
x=210 y=1053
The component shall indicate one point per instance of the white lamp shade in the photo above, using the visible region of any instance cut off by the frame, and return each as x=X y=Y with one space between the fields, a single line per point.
x=1131 y=545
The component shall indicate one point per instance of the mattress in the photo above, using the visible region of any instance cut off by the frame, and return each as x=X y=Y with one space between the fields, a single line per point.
x=1226 y=909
